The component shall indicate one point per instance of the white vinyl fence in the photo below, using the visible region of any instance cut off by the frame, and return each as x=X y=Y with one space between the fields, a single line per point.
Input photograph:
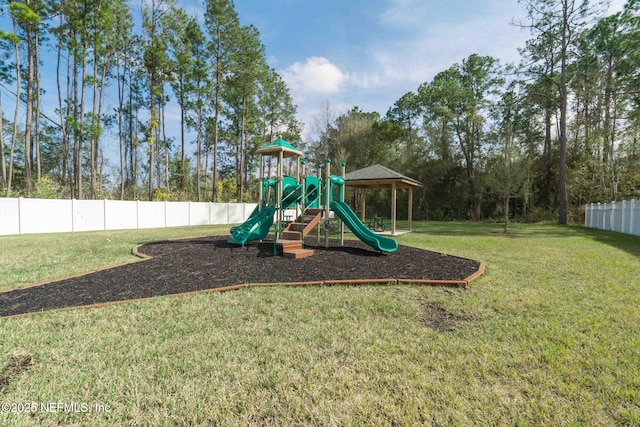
x=26 y=216
x=623 y=217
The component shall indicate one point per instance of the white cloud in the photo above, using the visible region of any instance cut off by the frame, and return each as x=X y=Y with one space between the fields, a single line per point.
x=315 y=76
x=312 y=81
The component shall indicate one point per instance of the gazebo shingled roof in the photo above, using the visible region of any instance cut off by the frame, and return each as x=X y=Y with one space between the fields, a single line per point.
x=378 y=176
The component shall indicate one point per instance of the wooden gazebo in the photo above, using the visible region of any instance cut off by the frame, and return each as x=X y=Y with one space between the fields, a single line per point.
x=378 y=176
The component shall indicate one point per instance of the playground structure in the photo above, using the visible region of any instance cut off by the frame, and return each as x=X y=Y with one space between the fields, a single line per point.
x=312 y=198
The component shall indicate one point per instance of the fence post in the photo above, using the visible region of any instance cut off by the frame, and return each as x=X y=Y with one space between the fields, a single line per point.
x=587 y=215
x=19 y=215
x=623 y=228
x=632 y=212
x=611 y=216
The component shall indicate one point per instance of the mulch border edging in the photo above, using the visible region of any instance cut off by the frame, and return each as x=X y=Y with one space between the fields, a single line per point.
x=144 y=257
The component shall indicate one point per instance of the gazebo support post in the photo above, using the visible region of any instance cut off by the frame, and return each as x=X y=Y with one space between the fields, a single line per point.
x=410 y=210
x=393 y=209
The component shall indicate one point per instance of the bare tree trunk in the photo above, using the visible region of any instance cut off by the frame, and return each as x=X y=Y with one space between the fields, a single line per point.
x=3 y=164
x=14 y=137
x=28 y=131
x=133 y=148
x=120 y=132
x=76 y=138
x=103 y=79
x=506 y=213
x=93 y=136
x=166 y=150
x=66 y=167
x=206 y=160
x=242 y=147
x=562 y=187
x=199 y=153
x=38 y=108
x=152 y=136
x=83 y=94
x=216 y=107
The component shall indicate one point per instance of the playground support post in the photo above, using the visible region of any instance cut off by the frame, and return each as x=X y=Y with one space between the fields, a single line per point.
x=278 y=202
x=260 y=192
x=343 y=173
x=320 y=166
x=327 y=199
x=303 y=191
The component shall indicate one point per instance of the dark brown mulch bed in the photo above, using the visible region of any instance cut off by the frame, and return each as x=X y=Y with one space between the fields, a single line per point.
x=210 y=262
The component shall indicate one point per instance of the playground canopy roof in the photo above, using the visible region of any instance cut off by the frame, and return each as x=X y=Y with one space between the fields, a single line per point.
x=378 y=176
x=279 y=145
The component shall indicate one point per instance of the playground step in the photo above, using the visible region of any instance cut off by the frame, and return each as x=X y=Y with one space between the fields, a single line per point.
x=314 y=211
x=311 y=218
x=298 y=253
x=297 y=224
x=287 y=245
x=291 y=235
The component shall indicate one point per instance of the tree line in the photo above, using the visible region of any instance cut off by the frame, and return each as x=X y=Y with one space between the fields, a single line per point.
x=214 y=68
x=536 y=140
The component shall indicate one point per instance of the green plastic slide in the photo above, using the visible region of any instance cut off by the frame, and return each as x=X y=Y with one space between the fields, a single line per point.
x=256 y=227
x=381 y=243
x=255 y=212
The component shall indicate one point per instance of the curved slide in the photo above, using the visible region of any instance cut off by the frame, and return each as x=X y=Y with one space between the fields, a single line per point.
x=256 y=227
x=381 y=243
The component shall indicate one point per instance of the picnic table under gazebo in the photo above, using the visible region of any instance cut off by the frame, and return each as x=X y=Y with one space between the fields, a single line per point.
x=380 y=177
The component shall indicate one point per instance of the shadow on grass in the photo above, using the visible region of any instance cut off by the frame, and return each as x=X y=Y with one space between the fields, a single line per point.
x=624 y=242
x=480 y=229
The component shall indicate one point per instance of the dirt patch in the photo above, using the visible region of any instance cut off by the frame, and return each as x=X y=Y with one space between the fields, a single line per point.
x=440 y=319
x=15 y=366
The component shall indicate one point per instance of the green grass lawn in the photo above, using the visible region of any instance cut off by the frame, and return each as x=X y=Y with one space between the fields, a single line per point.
x=550 y=335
